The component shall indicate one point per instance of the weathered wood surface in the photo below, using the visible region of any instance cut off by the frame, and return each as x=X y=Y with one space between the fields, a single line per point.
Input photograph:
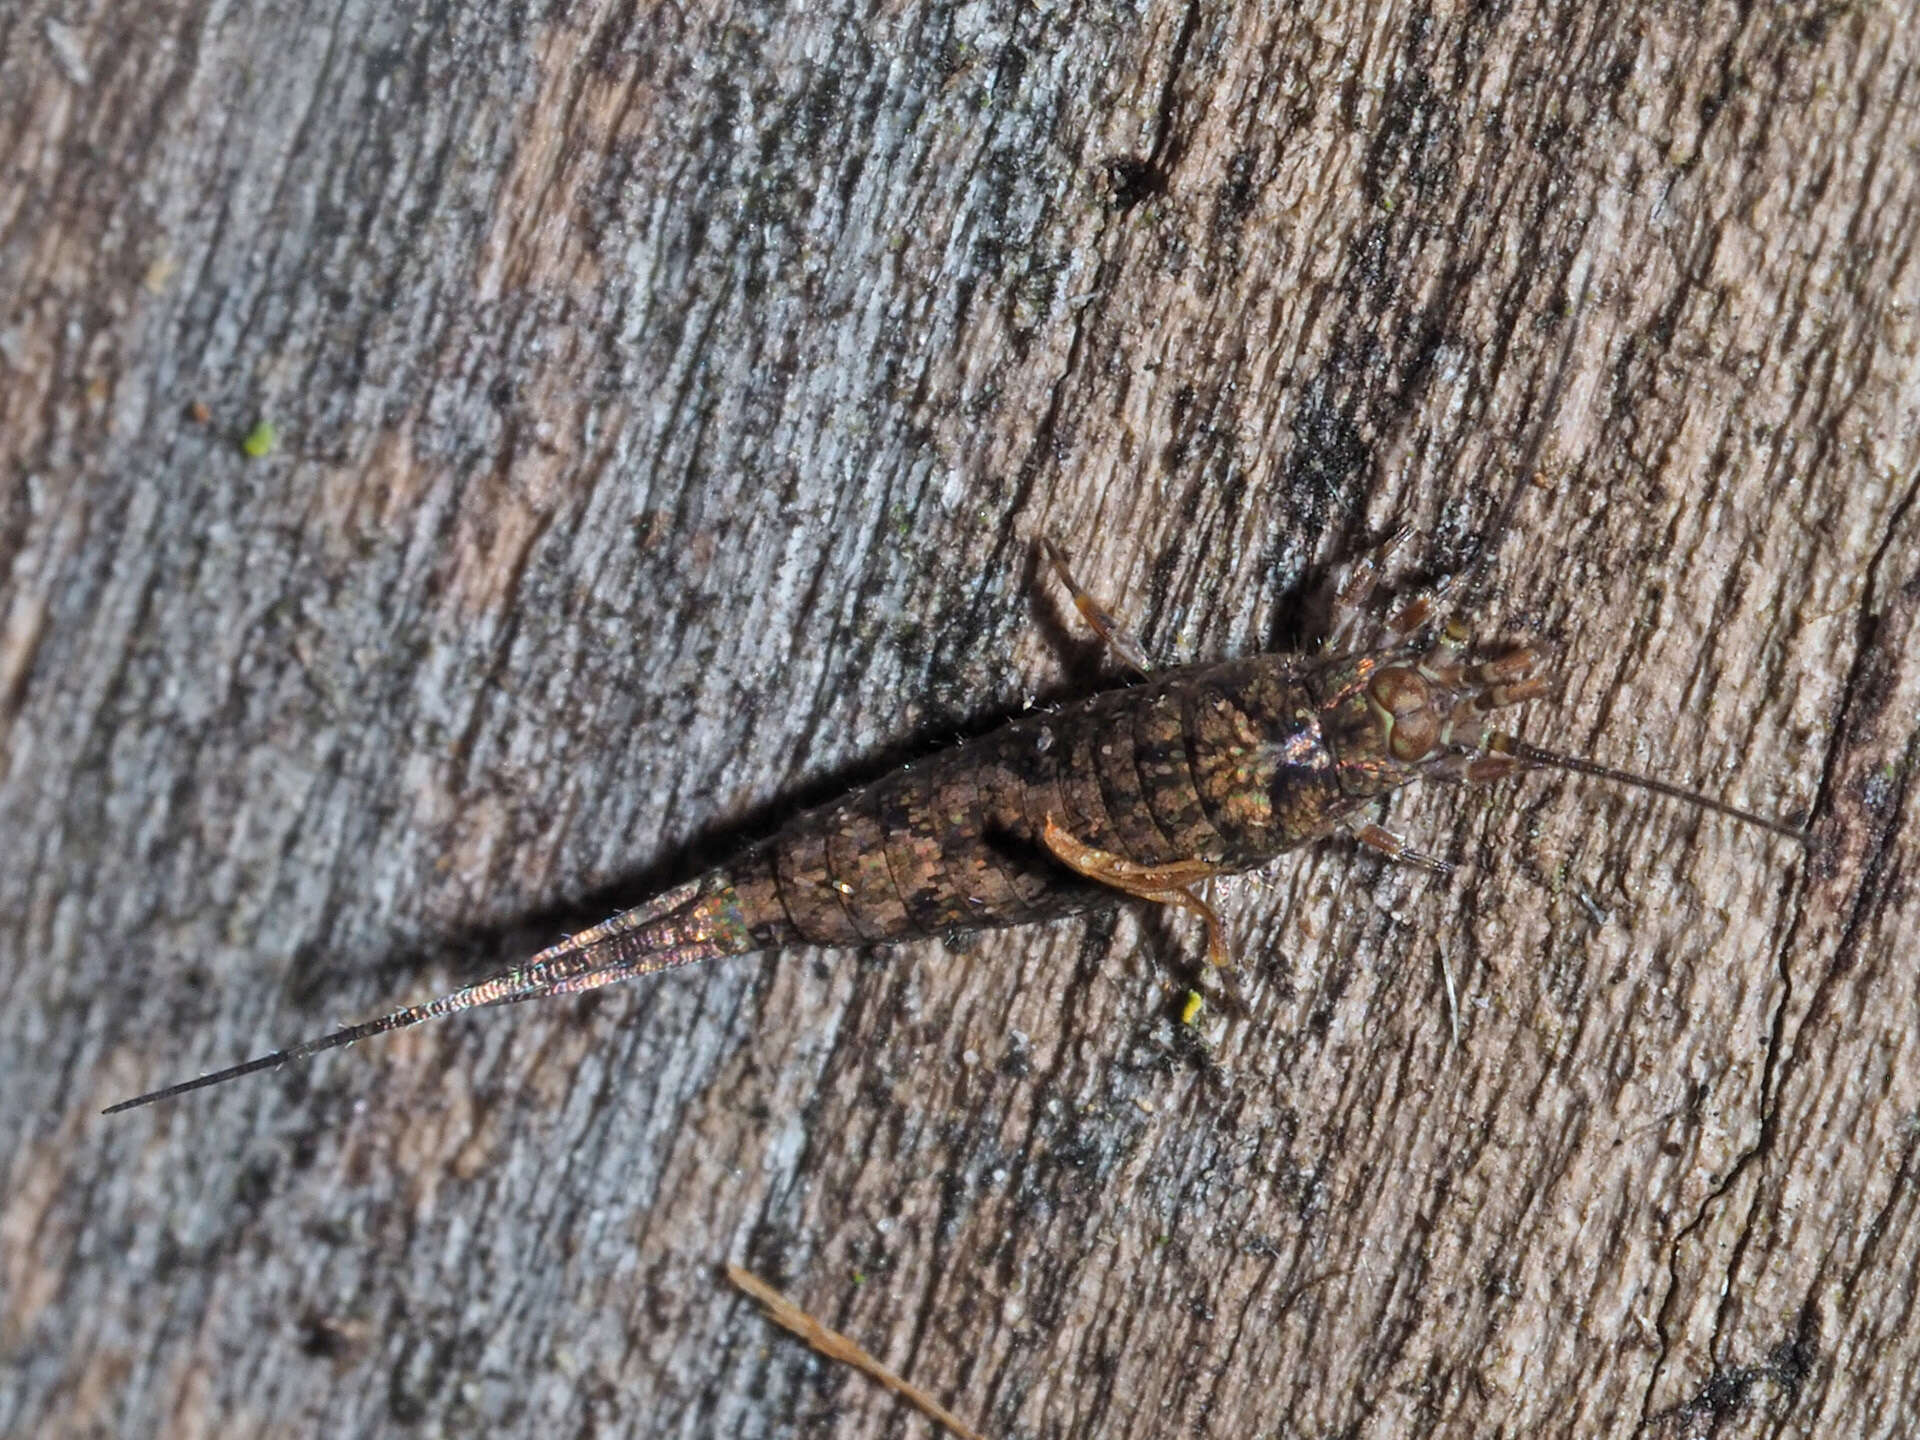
x=667 y=400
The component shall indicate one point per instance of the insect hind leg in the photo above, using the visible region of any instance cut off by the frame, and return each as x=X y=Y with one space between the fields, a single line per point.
x=1169 y=884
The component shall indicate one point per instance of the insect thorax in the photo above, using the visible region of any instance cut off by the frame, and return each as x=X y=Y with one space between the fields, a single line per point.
x=1265 y=773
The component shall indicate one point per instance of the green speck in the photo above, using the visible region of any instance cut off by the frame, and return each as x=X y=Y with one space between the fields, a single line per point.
x=260 y=440
x=859 y=1277
x=1191 y=1010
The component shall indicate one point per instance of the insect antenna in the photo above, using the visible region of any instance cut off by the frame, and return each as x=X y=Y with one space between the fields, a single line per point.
x=1528 y=753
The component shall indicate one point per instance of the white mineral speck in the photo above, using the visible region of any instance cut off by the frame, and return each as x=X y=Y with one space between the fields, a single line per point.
x=65 y=44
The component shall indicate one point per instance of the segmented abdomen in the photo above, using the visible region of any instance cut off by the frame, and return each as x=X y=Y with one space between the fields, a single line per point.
x=1185 y=767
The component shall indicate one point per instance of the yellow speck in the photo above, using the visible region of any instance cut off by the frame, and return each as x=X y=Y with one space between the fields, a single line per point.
x=260 y=440
x=1195 y=1004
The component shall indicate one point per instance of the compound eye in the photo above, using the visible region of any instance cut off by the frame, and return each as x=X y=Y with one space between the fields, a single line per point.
x=1413 y=729
x=1399 y=691
x=1413 y=737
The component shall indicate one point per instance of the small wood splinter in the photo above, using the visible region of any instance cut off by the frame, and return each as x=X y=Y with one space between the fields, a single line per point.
x=835 y=1346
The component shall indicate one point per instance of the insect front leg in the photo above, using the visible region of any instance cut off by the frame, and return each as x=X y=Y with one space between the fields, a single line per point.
x=1159 y=884
x=1102 y=621
x=1354 y=618
x=1353 y=590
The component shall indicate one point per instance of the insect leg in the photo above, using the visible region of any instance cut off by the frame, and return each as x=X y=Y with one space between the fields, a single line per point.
x=1159 y=884
x=1117 y=637
x=1417 y=609
x=1355 y=587
x=1352 y=616
x=1375 y=837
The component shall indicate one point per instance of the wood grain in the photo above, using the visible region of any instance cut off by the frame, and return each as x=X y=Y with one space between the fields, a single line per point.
x=668 y=401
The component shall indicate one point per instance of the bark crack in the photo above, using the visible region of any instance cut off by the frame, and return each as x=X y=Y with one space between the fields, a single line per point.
x=1781 y=1055
x=1163 y=114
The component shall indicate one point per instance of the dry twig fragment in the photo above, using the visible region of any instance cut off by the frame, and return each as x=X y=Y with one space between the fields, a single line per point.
x=835 y=1346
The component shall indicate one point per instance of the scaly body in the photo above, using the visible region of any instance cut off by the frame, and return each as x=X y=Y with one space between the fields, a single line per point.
x=1225 y=764
x=1136 y=792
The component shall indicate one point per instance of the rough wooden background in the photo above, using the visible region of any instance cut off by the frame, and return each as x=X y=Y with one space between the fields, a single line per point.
x=667 y=400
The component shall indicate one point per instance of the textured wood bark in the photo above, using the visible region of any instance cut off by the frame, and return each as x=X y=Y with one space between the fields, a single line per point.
x=667 y=401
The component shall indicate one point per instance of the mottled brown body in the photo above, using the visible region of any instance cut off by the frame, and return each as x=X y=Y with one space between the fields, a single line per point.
x=1225 y=763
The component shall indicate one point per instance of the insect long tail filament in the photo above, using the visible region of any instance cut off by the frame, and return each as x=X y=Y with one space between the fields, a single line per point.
x=696 y=921
x=496 y=990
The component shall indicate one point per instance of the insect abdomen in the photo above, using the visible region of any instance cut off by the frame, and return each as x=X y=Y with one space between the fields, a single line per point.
x=1181 y=768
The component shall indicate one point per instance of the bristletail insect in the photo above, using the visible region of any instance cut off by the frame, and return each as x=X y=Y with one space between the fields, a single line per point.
x=1144 y=791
